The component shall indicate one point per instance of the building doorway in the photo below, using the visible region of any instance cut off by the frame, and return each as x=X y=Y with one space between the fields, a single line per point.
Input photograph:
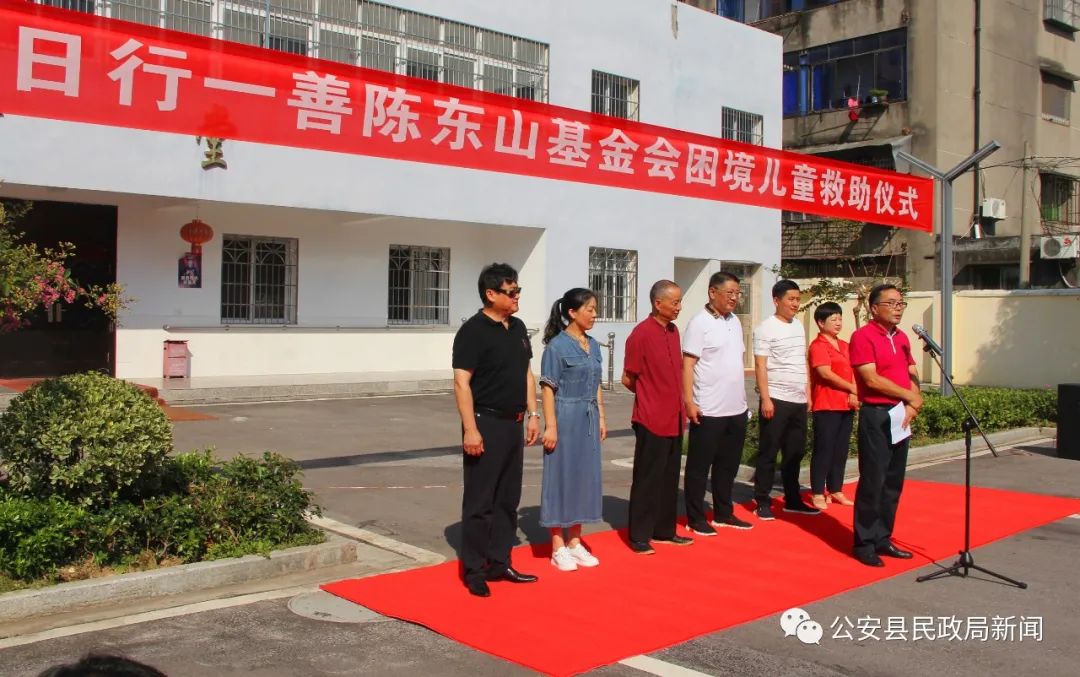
x=65 y=339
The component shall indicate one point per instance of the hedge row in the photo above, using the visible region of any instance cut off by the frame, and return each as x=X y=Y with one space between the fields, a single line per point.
x=89 y=477
x=942 y=417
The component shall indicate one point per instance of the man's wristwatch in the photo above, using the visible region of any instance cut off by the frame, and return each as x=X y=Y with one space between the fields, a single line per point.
x=532 y=414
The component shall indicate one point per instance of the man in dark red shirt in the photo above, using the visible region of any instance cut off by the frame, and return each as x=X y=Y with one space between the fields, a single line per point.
x=886 y=377
x=652 y=370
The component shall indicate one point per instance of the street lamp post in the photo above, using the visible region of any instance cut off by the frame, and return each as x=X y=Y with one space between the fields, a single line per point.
x=945 y=180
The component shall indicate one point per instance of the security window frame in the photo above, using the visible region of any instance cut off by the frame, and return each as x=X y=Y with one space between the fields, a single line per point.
x=418 y=285
x=613 y=275
x=744 y=126
x=1059 y=201
x=1063 y=14
x=259 y=279
x=615 y=95
x=810 y=78
x=300 y=26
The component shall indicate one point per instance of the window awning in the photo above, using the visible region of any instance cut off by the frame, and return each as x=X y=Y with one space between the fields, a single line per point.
x=880 y=152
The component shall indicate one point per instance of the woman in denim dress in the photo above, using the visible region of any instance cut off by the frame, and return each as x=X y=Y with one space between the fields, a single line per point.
x=574 y=426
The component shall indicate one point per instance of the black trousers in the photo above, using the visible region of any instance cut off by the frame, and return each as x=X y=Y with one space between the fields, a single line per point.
x=881 y=479
x=784 y=432
x=716 y=444
x=490 y=501
x=654 y=491
x=832 y=439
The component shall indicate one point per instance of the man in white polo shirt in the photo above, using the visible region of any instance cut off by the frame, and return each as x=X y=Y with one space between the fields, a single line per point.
x=782 y=374
x=714 y=392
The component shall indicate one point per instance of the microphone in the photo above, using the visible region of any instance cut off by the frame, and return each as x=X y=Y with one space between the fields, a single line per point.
x=931 y=344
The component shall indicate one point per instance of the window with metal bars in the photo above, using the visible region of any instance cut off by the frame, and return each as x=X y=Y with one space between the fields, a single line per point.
x=739 y=125
x=827 y=77
x=613 y=276
x=615 y=95
x=419 y=285
x=1059 y=202
x=358 y=32
x=1062 y=13
x=258 y=280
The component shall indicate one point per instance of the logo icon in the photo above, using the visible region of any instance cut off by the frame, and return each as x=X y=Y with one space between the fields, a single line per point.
x=796 y=622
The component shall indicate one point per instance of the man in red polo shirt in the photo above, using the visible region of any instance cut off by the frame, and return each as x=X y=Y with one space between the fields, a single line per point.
x=885 y=375
x=652 y=370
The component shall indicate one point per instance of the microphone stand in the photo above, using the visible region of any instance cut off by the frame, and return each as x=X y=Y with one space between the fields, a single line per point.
x=962 y=566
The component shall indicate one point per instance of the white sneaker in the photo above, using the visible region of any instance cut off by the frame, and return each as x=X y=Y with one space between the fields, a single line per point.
x=562 y=560
x=582 y=556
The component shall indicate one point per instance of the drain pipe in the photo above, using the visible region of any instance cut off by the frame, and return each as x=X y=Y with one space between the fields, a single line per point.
x=976 y=210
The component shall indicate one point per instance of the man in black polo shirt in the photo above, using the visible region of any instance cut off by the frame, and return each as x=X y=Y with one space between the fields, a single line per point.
x=495 y=391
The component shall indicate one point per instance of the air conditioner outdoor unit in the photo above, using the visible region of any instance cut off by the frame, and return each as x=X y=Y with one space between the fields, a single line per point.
x=993 y=208
x=1059 y=246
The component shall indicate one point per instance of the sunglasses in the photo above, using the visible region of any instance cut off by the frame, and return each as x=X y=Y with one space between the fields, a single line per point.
x=892 y=304
x=512 y=293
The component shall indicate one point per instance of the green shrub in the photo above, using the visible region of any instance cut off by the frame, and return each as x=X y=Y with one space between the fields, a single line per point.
x=942 y=417
x=204 y=510
x=995 y=409
x=36 y=535
x=88 y=438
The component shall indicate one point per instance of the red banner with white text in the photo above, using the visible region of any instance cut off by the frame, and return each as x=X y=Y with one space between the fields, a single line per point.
x=67 y=65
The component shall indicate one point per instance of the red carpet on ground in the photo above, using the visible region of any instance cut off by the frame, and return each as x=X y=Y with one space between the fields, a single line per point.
x=631 y=604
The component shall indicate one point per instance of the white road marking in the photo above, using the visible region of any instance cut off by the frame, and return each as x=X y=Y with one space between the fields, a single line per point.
x=123 y=621
x=655 y=666
x=413 y=552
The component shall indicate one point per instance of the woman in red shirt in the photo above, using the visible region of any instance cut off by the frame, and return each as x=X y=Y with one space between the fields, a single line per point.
x=834 y=399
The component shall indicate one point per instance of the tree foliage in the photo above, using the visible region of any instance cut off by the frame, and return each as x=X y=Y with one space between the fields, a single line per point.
x=33 y=278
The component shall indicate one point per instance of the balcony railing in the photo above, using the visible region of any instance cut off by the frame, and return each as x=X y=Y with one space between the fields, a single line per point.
x=357 y=32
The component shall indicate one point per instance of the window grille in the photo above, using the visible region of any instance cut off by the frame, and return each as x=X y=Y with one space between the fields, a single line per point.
x=258 y=280
x=357 y=32
x=742 y=126
x=615 y=95
x=1059 y=200
x=76 y=5
x=613 y=276
x=419 y=285
x=1063 y=13
x=823 y=78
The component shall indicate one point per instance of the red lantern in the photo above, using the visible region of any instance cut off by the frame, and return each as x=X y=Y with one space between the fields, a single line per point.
x=197 y=233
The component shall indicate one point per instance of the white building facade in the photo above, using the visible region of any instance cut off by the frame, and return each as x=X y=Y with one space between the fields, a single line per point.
x=326 y=262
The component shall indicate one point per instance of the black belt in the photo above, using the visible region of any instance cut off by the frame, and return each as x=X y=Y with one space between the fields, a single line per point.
x=499 y=413
x=878 y=406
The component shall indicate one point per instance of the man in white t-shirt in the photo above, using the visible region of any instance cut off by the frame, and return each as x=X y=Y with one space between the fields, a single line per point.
x=783 y=380
x=714 y=392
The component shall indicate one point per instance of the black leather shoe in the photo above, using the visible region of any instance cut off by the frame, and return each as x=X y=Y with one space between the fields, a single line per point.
x=892 y=551
x=675 y=540
x=869 y=559
x=478 y=587
x=513 y=576
x=642 y=547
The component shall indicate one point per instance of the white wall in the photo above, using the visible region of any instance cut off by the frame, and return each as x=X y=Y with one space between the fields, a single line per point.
x=323 y=198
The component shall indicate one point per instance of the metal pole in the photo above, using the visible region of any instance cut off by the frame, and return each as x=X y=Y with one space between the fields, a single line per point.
x=1025 y=228
x=945 y=180
x=266 y=27
x=946 y=283
x=611 y=360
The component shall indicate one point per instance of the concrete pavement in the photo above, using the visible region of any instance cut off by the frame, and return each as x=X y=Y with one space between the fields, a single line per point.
x=391 y=466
